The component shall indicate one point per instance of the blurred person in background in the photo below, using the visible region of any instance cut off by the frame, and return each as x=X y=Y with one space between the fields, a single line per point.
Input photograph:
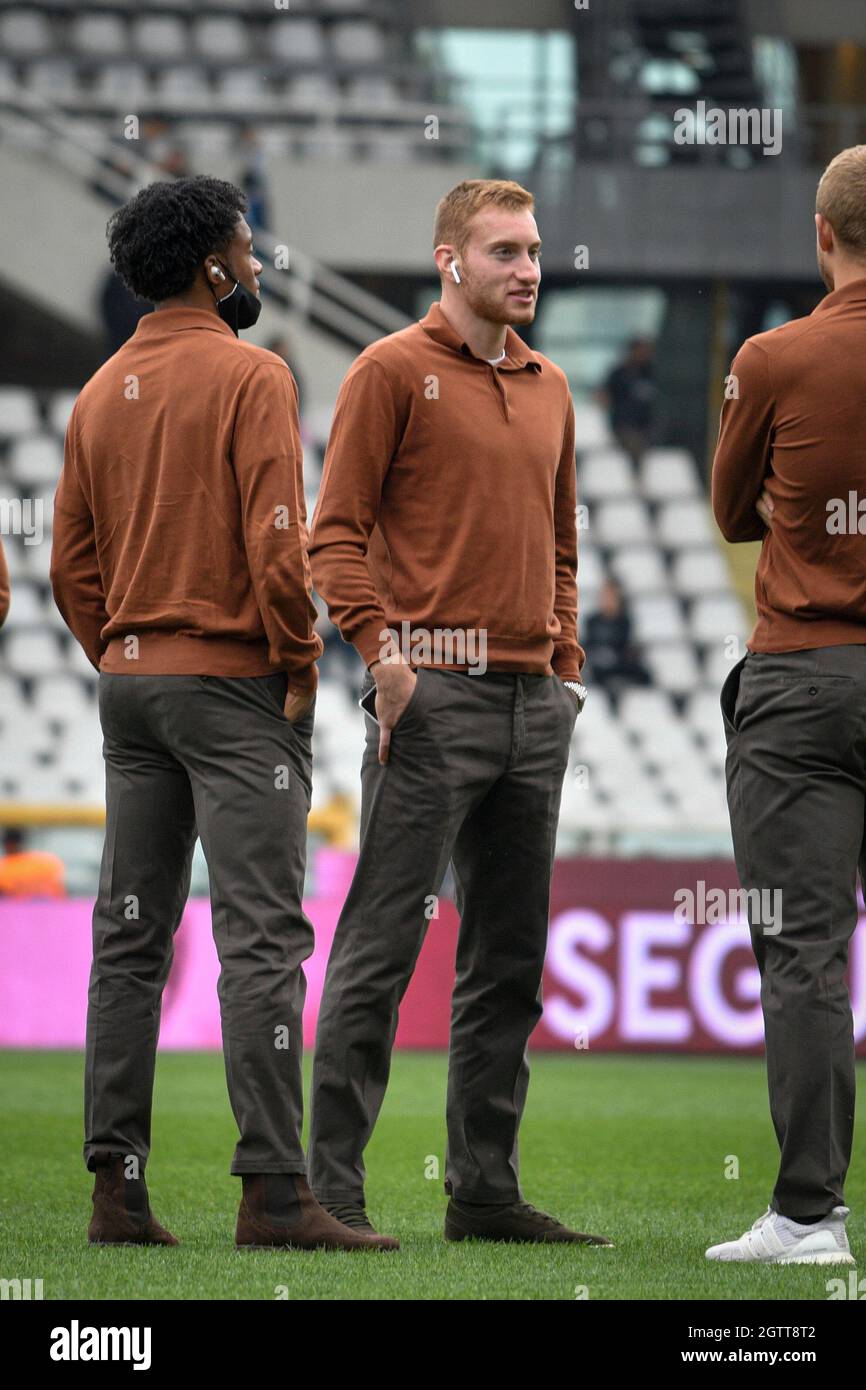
x=282 y=346
x=159 y=146
x=339 y=661
x=254 y=180
x=789 y=469
x=120 y=311
x=629 y=395
x=156 y=145
x=613 y=660
x=29 y=873
x=179 y=563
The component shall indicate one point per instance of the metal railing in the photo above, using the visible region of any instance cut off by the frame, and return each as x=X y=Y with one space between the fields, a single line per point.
x=305 y=286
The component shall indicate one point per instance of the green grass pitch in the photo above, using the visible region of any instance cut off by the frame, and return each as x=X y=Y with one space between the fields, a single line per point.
x=635 y=1147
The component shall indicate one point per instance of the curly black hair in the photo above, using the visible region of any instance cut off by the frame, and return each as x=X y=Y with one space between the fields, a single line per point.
x=158 y=240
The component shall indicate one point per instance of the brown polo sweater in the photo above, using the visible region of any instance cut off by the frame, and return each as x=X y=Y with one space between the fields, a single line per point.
x=179 y=519
x=448 y=502
x=797 y=427
x=4 y=586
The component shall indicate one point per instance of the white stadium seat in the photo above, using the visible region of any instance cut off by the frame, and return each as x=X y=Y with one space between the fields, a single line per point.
x=18 y=412
x=36 y=460
x=37 y=559
x=25 y=32
x=665 y=474
x=598 y=711
x=608 y=769
x=314 y=91
x=702 y=803
x=590 y=570
x=719 y=657
x=244 y=86
x=704 y=712
x=684 y=525
x=296 y=40
x=79 y=748
x=643 y=708
x=221 y=37
x=208 y=140
x=183 y=80
x=115 y=81
x=673 y=666
x=33 y=785
x=394 y=145
x=25 y=608
x=604 y=473
x=372 y=94
x=620 y=523
x=43 y=498
x=30 y=734
x=591 y=430
x=658 y=618
x=700 y=571
x=672 y=741
x=717 y=619
x=640 y=570
x=275 y=141
x=33 y=654
x=159 y=36
x=13 y=701
x=62 y=700
x=99 y=35
x=52 y=77
x=358 y=41
x=644 y=809
x=78 y=664
x=333 y=702
x=325 y=140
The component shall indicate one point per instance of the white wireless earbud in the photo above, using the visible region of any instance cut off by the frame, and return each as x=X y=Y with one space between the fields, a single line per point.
x=217 y=274
x=455 y=272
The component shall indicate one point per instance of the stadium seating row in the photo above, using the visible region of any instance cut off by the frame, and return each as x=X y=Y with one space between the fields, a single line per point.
x=285 y=38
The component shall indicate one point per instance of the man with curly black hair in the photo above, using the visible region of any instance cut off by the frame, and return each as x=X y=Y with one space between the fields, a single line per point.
x=180 y=564
x=162 y=244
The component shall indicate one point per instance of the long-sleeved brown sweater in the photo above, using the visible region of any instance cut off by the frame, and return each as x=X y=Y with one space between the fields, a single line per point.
x=4 y=586
x=448 y=503
x=794 y=421
x=179 y=519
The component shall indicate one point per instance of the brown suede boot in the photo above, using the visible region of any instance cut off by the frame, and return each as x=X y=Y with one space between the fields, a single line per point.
x=121 y=1211
x=279 y=1209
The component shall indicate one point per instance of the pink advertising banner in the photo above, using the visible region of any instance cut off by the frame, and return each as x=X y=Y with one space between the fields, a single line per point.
x=643 y=955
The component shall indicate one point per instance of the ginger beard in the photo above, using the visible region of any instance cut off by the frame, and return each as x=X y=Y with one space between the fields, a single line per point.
x=490 y=300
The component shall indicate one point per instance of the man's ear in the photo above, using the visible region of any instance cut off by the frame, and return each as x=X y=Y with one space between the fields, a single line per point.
x=443 y=255
x=824 y=231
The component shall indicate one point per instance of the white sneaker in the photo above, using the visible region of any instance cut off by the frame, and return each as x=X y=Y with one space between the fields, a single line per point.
x=775 y=1239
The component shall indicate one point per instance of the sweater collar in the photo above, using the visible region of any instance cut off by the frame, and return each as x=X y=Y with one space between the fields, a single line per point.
x=854 y=290
x=175 y=320
x=441 y=330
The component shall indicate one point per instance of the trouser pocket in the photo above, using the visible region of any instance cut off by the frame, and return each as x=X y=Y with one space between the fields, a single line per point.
x=728 y=699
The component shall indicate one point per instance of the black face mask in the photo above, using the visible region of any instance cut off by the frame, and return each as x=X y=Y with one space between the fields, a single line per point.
x=240 y=308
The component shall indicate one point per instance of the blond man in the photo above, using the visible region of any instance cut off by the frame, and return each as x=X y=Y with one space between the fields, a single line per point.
x=444 y=543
